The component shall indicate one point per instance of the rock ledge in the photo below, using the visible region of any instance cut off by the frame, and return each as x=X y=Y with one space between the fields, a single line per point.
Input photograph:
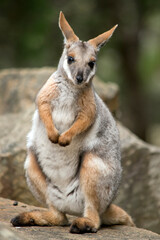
x=8 y=210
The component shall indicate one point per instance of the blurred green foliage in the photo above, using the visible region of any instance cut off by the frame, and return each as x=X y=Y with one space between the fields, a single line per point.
x=30 y=37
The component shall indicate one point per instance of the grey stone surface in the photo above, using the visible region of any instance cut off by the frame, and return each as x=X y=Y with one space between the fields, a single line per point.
x=8 y=232
x=140 y=192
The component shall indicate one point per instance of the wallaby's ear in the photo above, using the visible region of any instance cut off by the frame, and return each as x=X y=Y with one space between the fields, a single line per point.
x=66 y=29
x=101 y=39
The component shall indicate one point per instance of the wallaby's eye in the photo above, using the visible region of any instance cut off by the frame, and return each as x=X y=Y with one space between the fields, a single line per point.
x=91 y=64
x=70 y=59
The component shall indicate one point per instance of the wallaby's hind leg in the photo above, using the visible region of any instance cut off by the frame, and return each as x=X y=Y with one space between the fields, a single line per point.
x=37 y=183
x=35 y=178
x=89 y=174
x=40 y=218
x=97 y=195
x=115 y=215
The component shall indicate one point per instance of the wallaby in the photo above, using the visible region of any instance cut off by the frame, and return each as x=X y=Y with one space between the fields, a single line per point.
x=74 y=163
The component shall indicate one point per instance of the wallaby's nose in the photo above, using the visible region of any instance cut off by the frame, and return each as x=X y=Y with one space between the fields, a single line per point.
x=79 y=78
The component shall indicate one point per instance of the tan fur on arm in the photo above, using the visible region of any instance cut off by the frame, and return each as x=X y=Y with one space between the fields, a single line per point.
x=46 y=94
x=85 y=118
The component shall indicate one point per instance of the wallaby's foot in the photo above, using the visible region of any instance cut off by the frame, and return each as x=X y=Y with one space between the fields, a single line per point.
x=21 y=220
x=116 y=215
x=39 y=218
x=83 y=225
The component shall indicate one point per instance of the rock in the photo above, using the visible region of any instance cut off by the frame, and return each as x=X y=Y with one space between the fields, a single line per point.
x=13 y=130
x=139 y=192
x=109 y=93
x=18 y=89
x=8 y=232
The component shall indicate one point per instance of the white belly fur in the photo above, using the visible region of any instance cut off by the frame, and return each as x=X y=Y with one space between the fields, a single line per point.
x=59 y=165
x=63 y=117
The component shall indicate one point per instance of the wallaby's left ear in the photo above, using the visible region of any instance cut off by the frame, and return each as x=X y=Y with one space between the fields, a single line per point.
x=101 y=39
x=66 y=29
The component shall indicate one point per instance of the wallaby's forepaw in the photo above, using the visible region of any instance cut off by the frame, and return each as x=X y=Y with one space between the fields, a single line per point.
x=64 y=139
x=83 y=225
x=21 y=220
x=53 y=136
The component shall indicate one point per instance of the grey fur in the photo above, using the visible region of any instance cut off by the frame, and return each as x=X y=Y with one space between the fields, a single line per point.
x=61 y=165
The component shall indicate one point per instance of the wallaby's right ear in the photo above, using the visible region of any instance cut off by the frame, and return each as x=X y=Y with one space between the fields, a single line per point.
x=66 y=29
x=101 y=39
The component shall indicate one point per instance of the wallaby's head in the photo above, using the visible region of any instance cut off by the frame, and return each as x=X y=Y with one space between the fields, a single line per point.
x=78 y=61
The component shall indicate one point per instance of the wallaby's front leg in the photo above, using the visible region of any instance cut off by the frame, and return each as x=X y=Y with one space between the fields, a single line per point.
x=81 y=124
x=47 y=93
x=84 y=120
x=45 y=115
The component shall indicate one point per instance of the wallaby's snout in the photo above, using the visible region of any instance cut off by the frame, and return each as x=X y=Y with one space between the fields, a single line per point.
x=79 y=77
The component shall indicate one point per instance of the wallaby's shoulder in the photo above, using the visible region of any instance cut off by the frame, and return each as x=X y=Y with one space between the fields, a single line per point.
x=49 y=90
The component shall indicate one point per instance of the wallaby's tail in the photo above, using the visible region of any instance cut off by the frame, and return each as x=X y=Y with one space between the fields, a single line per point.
x=115 y=215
